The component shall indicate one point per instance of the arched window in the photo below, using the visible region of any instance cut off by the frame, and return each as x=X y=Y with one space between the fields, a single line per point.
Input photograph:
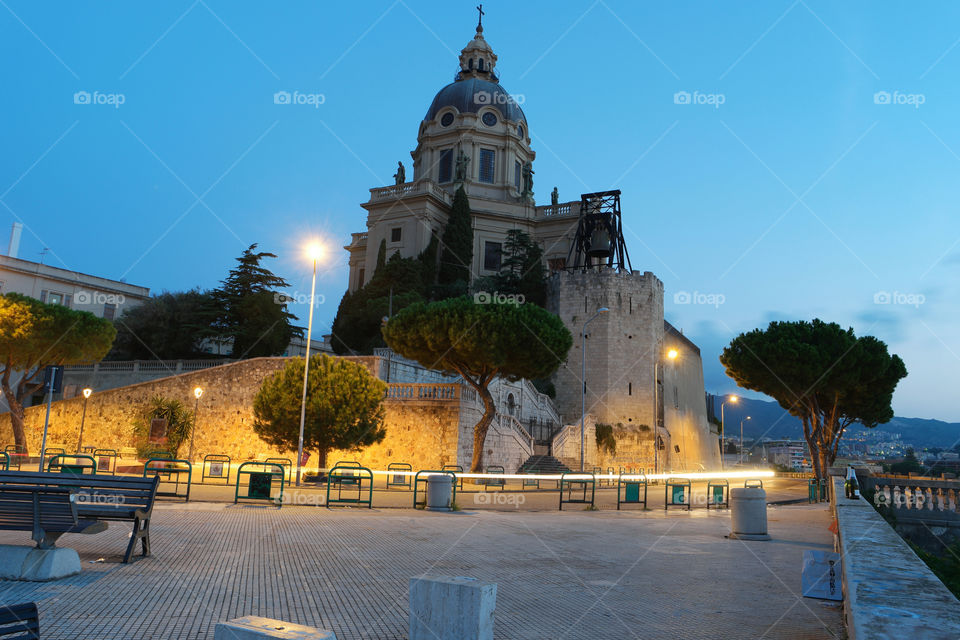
x=470 y=64
x=511 y=404
x=480 y=65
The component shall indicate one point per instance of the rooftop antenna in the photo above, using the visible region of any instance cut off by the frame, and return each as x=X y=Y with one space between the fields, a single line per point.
x=43 y=254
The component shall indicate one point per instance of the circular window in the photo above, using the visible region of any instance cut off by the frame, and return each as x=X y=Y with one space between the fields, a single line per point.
x=447 y=119
x=489 y=119
x=520 y=131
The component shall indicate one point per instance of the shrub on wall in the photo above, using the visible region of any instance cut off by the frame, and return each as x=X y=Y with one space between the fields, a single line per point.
x=179 y=425
x=605 y=438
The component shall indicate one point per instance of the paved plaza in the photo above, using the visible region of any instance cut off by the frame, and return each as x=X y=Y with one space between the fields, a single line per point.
x=576 y=574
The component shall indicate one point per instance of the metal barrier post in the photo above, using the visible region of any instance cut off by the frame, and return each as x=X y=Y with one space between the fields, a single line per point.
x=104 y=458
x=457 y=469
x=495 y=482
x=285 y=463
x=630 y=488
x=399 y=479
x=581 y=479
x=417 y=480
x=213 y=467
x=260 y=482
x=676 y=493
x=357 y=476
x=80 y=463
x=718 y=498
x=754 y=483
x=183 y=466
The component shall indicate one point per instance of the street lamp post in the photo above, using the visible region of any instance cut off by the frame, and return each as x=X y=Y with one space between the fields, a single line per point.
x=197 y=392
x=314 y=251
x=723 y=431
x=741 y=439
x=672 y=354
x=83 y=417
x=583 y=379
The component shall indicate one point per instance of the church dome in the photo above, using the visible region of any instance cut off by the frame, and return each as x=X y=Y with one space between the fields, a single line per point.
x=470 y=94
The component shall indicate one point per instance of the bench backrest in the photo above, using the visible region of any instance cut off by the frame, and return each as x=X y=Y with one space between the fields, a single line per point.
x=91 y=490
x=20 y=621
x=49 y=508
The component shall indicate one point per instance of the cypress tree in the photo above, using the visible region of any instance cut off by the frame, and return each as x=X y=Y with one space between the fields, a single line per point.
x=457 y=255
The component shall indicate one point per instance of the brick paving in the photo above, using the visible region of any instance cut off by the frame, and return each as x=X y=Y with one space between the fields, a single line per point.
x=569 y=575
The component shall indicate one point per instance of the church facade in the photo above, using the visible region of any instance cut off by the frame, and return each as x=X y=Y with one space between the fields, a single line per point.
x=475 y=135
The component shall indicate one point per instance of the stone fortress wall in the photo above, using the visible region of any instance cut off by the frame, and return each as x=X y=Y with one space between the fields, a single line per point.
x=625 y=348
x=429 y=417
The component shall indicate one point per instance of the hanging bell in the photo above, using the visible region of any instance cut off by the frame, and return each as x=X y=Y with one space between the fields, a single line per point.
x=599 y=243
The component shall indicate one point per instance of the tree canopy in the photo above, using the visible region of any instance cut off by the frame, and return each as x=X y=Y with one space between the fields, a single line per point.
x=480 y=342
x=167 y=326
x=820 y=373
x=251 y=311
x=521 y=270
x=35 y=335
x=344 y=407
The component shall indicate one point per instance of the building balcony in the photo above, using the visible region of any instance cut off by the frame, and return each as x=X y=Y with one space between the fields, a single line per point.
x=562 y=209
x=409 y=189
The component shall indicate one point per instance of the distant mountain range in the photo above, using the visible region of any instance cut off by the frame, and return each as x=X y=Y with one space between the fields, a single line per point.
x=769 y=420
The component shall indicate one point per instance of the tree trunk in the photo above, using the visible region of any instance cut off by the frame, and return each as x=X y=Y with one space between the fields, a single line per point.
x=322 y=458
x=480 y=429
x=16 y=412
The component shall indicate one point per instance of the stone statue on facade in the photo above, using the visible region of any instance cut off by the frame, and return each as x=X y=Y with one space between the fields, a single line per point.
x=528 y=179
x=554 y=197
x=460 y=173
x=401 y=175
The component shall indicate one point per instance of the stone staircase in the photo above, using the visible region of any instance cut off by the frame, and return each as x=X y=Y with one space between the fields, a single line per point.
x=543 y=464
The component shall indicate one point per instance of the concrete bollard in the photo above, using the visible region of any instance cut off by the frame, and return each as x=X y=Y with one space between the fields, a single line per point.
x=451 y=608
x=439 y=488
x=748 y=514
x=256 y=628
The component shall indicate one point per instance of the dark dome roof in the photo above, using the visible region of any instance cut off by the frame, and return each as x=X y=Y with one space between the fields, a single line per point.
x=463 y=94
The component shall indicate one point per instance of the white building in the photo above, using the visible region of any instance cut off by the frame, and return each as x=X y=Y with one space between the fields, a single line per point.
x=103 y=297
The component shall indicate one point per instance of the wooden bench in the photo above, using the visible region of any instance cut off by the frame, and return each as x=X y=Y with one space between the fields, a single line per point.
x=20 y=621
x=48 y=512
x=100 y=498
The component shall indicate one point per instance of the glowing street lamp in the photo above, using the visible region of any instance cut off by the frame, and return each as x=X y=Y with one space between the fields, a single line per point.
x=583 y=377
x=671 y=355
x=732 y=399
x=314 y=251
x=83 y=418
x=741 y=439
x=197 y=392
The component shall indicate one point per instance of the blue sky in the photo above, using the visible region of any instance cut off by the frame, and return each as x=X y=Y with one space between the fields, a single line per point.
x=812 y=172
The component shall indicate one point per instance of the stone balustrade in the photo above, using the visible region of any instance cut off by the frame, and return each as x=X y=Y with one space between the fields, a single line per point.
x=432 y=392
x=420 y=187
x=564 y=209
x=931 y=501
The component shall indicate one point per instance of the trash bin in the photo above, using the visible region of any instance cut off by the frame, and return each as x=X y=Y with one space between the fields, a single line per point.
x=439 y=488
x=748 y=514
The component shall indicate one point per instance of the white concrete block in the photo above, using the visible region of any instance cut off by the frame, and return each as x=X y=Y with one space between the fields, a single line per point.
x=18 y=562
x=451 y=608
x=254 y=628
